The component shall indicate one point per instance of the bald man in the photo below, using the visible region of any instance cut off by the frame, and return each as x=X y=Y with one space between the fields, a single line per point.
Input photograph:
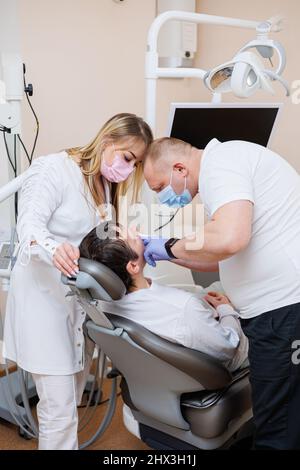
x=252 y=199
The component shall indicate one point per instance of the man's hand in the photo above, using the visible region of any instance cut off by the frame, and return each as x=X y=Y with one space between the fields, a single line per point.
x=215 y=299
x=155 y=250
x=65 y=259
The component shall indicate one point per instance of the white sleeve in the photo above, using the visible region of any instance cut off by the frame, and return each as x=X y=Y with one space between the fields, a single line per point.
x=203 y=332
x=229 y=177
x=41 y=194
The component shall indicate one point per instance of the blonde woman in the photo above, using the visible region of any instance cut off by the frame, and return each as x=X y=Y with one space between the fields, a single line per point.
x=64 y=196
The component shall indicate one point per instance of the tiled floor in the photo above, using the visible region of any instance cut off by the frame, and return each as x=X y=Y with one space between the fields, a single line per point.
x=116 y=437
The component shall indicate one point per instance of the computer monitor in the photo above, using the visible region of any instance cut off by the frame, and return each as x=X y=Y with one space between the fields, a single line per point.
x=198 y=123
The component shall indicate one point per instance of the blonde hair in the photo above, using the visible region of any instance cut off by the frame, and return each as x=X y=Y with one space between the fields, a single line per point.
x=167 y=146
x=121 y=126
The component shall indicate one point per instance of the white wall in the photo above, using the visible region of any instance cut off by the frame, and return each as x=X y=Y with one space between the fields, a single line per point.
x=86 y=61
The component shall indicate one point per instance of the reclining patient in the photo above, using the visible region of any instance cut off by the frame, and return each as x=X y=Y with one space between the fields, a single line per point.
x=210 y=325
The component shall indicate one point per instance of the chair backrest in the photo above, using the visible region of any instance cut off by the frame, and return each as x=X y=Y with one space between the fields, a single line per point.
x=205 y=369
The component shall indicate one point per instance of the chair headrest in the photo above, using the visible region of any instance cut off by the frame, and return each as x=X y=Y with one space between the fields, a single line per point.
x=105 y=277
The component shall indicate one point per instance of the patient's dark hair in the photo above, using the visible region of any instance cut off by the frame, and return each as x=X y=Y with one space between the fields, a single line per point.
x=103 y=244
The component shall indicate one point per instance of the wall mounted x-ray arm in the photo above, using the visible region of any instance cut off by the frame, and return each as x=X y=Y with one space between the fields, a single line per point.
x=11 y=91
x=154 y=72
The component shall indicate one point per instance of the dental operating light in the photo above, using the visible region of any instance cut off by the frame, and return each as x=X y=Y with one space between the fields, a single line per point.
x=245 y=74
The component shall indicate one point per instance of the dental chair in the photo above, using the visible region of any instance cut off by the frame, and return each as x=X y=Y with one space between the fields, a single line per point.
x=175 y=398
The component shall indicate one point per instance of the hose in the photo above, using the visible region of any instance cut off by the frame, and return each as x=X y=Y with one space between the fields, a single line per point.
x=107 y=418
x=25 y=401
x=83 y=425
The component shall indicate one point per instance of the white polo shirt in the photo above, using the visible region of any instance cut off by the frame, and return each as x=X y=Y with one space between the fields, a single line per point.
x=266 y=275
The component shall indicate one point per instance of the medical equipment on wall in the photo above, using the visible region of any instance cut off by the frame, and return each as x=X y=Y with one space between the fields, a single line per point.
x=11 y=75
x=13 y=87
x=244 y=75
x=177 y=43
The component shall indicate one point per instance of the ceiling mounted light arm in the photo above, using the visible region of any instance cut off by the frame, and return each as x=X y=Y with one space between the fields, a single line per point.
x=154 y=72
x=275 y=23
x=197 y=18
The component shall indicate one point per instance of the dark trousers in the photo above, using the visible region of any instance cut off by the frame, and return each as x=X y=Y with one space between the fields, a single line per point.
x=274 y=354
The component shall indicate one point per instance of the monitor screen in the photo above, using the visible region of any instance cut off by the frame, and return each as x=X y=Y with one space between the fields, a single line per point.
x=199 y=123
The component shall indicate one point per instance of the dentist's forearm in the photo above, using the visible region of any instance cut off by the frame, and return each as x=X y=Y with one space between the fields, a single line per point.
x=227 y=233
x=198 y=266
x=211 y=249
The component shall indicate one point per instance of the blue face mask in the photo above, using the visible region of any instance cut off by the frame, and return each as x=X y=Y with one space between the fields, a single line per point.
x=169 y=197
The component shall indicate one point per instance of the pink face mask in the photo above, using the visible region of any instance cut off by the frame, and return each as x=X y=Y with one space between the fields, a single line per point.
x=118 y=171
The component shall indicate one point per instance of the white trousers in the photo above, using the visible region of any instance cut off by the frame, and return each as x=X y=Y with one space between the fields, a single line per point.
x=59 y=396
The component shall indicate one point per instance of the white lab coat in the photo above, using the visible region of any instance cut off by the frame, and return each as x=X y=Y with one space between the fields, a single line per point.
x=43 y=329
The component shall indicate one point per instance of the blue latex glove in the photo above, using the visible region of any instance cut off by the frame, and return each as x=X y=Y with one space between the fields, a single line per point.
x=155 y=250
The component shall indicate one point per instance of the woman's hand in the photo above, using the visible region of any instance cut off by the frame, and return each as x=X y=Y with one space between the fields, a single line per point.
x=66 y=258
x=215 y=299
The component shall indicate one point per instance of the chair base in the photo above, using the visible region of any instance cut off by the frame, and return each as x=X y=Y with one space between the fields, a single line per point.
x=161 y=437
